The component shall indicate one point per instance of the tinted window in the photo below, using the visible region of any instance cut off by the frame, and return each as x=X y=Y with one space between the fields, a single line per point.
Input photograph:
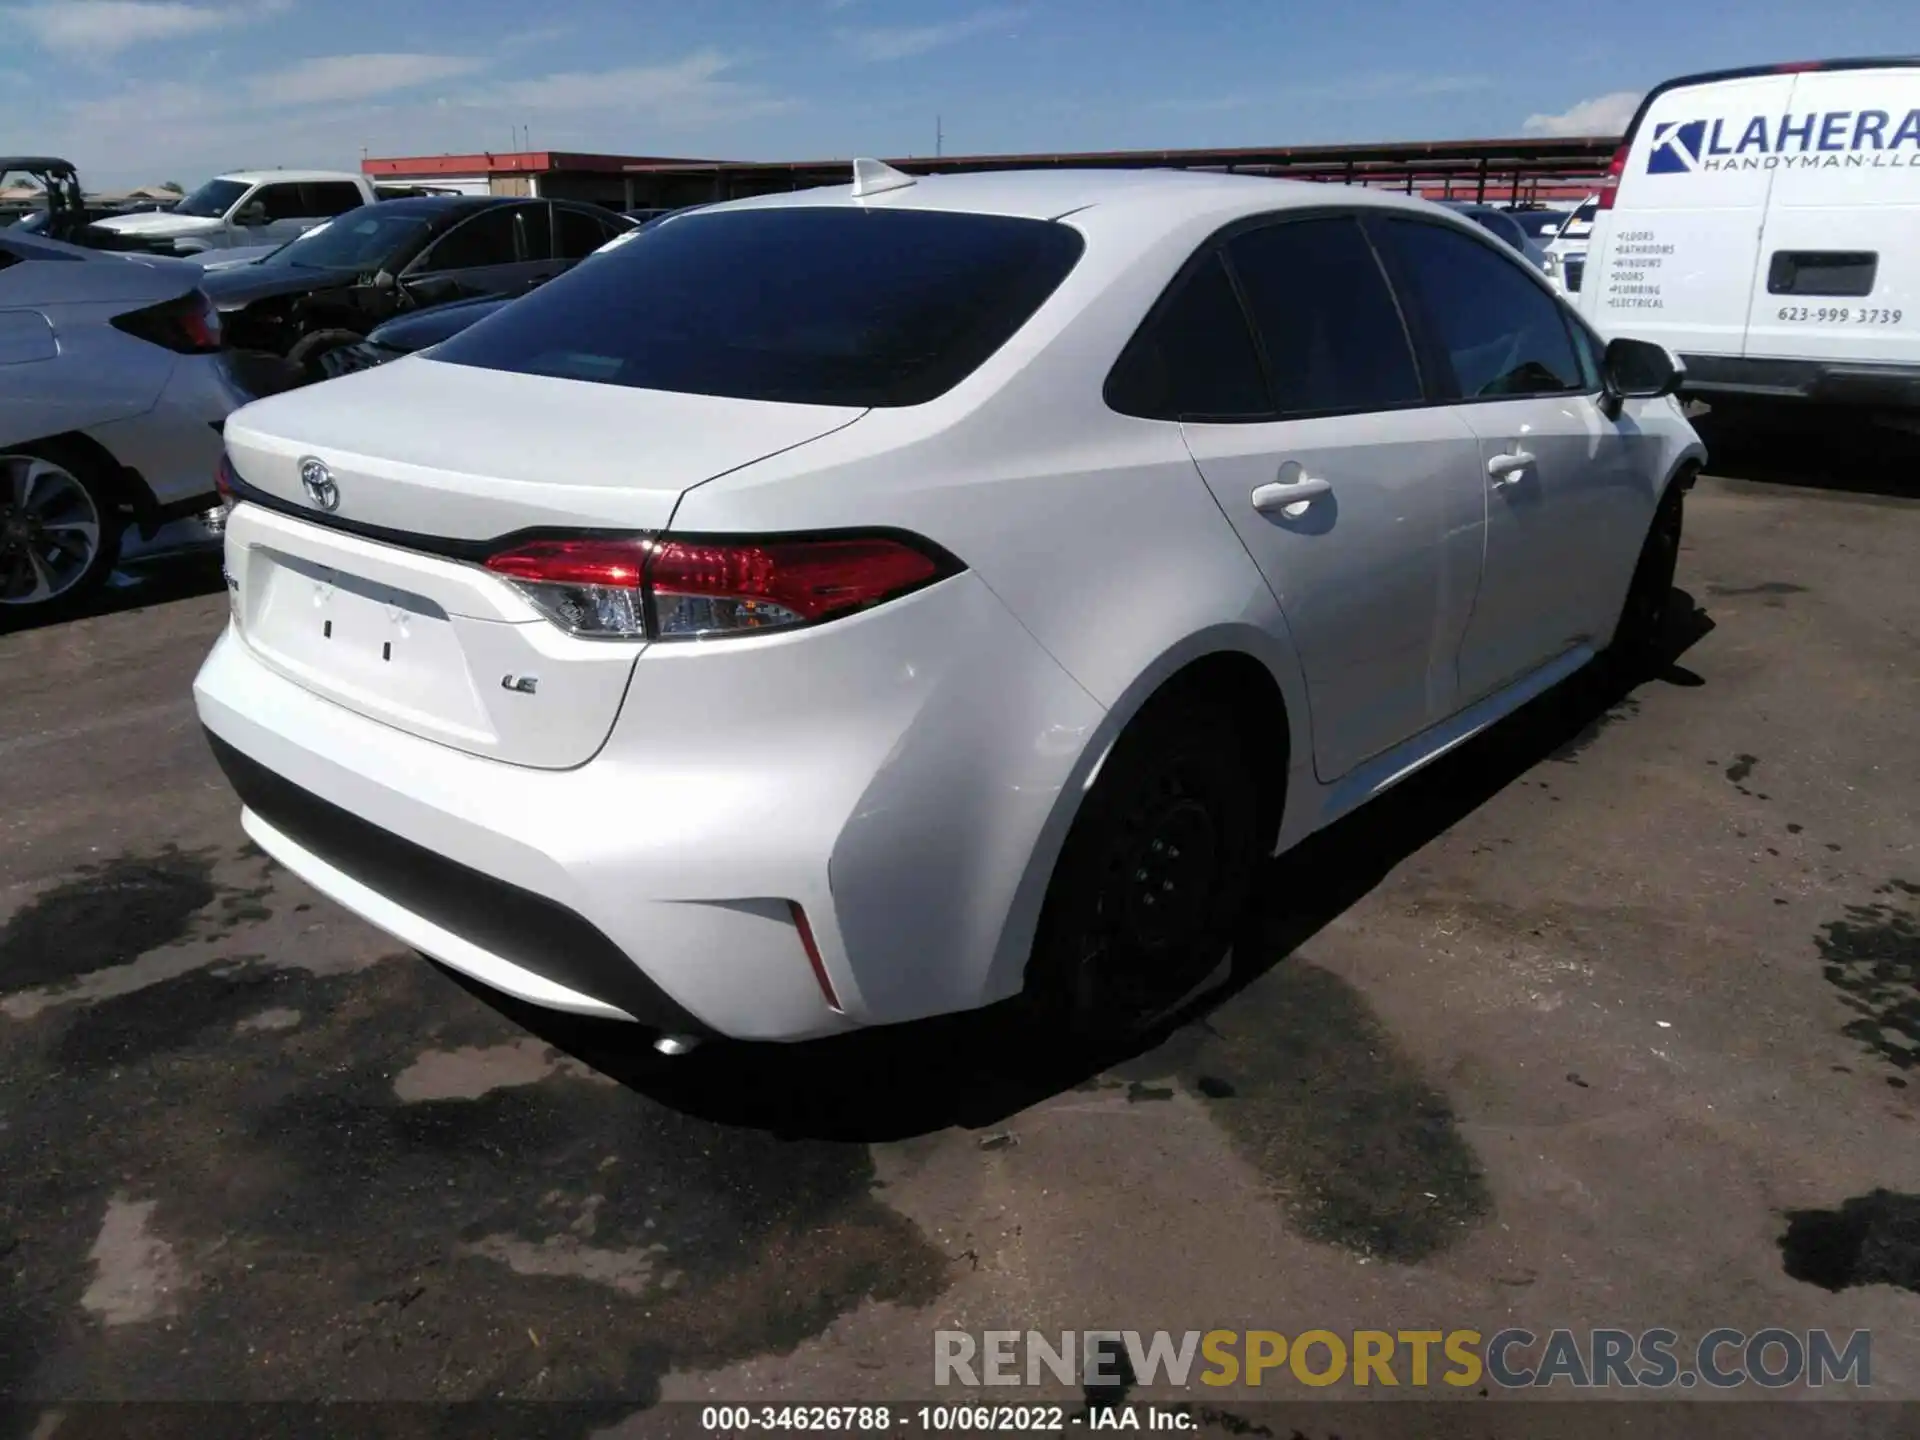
x=331 y=197
x=1504 y=226
x=212 y=199
x=282 y=202
x=370 y=238
x=1194 y=357
x=825 y=305
x=535 y=226
x=1500 y=330
x=579 y=233
x=1328 y=322
x=1592 y=352
x=486 y=239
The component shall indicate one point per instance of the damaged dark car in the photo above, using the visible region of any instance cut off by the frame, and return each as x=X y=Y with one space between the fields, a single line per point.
x=333 y=285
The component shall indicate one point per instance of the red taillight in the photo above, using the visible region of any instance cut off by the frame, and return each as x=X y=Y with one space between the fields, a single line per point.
x=575 y=562
x=678 y=589
x=223 y=483
x=1610 y=186
x=189 y=324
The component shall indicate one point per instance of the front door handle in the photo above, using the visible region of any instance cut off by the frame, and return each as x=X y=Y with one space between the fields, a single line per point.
x=1286 y=496
x=1505 y=469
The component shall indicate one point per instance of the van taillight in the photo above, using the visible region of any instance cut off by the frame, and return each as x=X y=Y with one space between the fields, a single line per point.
x=1610 y=186
x=223 y=484
x=684 y=588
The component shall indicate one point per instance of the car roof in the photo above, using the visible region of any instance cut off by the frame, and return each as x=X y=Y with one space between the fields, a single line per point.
x=439 y=204
x=1055 y=194
x=263 y=177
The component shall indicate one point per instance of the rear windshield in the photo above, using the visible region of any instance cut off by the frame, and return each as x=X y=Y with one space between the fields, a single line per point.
x=826 y=305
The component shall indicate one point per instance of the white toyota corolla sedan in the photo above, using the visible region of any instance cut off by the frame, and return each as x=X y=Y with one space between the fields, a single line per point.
x=838 y=608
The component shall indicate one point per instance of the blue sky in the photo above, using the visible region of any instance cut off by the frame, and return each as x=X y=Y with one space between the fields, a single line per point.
x=137 y=91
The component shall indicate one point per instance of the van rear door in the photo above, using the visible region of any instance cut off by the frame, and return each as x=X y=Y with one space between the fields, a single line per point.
x=1838 y=276
x=1673 y=261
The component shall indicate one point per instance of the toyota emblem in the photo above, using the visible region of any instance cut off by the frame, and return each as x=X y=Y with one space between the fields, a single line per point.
x=318 y=482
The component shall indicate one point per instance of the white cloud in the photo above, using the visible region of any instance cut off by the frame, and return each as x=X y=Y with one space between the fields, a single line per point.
x=106 y=27
x=323 y=112
x=693 y=90
x=330 y=78
x=901 y=42
x=1602 y=115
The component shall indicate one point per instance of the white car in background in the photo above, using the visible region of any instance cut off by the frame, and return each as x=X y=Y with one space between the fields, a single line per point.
x=837 y=608
x=112 y=394
x=249 y=208
x=1567 y=249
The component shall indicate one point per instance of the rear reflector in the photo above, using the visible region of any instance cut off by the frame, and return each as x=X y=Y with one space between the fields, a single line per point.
x=683 y=589
x=813 y=957
x=1610 y=186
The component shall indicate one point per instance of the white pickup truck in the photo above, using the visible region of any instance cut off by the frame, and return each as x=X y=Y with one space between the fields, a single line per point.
x=249 y=208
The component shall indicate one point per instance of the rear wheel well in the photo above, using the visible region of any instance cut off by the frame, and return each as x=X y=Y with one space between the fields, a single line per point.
x=128 y=488
x=1251 y=695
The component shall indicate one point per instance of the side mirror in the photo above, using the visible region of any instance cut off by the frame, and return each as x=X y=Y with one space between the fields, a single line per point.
x=1641 y=370
x=251 y=214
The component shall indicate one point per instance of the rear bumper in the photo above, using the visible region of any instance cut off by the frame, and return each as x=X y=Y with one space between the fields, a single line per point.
x=1822 y=382
x=445 y=906
x=904 y=776
x=173 y=449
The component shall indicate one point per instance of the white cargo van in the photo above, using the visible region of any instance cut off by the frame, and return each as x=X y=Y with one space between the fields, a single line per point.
x=1764 y=225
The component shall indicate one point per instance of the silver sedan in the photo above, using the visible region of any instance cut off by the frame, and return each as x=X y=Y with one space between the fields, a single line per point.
x=112 y=394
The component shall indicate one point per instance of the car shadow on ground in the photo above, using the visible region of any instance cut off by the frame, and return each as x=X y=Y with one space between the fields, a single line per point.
x=1811 y=449
x=137 y=584
x=977 y=1070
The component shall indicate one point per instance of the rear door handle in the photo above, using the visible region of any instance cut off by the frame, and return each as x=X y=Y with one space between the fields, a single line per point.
x=1279 y=496
x=1505 y=469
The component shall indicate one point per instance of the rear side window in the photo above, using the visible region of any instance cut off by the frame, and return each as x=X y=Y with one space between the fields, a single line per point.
x=1499 y=330
x=580 y=234
x=282 y=202
x=331 y=197
x=820 y=305
x=533 y=225
x=489 y=238
x=1194 y=358
x=1332 y=333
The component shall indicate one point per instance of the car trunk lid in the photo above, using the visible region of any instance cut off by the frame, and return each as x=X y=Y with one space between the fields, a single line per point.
x=380 y=604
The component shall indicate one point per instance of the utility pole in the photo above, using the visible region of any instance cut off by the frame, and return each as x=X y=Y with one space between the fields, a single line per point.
x=939 y=137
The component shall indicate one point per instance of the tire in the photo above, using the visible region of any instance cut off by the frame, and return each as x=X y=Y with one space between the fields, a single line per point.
x=59 y=528
x=309 y=348
x=1155 y=874
x=1638 y=638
